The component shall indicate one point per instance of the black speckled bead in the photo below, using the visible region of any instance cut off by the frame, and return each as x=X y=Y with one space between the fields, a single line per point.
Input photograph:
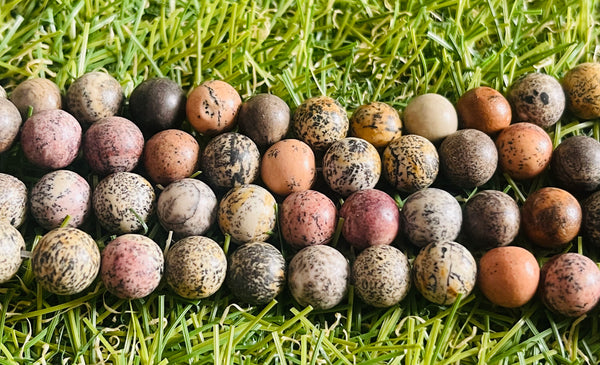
x=319 y=276
x=410 y=163
x=319 y=121
x=537 y=98
x=381 y=275
x=230 y=159
x=443 y=270
x=195 y=267
x=13 y=200
x=590 y=217
x=118 y=196
x=491 y=218
x=93 y=96
x=11 y=245
x=65 y=261
x=256 y=273
x=575 y=164
x=570 y=284
x=351 y=164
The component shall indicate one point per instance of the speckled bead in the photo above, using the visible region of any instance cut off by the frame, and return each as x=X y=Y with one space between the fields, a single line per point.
x=410 y=163
x=319 y=121
x=113 y=144
x=171 y=155
x=468 y=158
x=582 y=90
x=443 y=270
x=590 y=217
x=2 y=93
x=230 y=159
x=39 y=94
x=132 y=266
x=51 y=139
x=491 y=219
x=377 y=123
x=381 y=276
x=11 y=245
x=570 y=284
x=58 y=194
x=431 y=215
x=351 y=164
x=247 y=213
x=93 y=96
x=118 y=196
x=575 y=164
x=65 y=261
x=524 y=150
x=212 y=107
x=307 y=218
x=537 y=98
x=319 y=276
x=256 y=273
x=551 y=217
x=195 y=267
x=13 y=200
x=288 y=166
x=10 y=122
x=188 y=207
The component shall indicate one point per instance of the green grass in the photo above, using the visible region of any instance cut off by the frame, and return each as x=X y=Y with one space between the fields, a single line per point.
x=355 y=51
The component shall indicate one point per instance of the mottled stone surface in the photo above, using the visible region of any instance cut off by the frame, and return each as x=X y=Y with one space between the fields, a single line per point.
x=582 y=90
x=93 y=96
x=113 y=144
x=265 y=118
x=468 y=158
x=371 y=218
x=132 y=266
x=410 y=163
x=288 y=166
x=188 y=207
x=570 y=284
x=256 y=273
x=51 y=139
x=11 y=245
x=551 y=217
x=171 y=155
x=351 y=164
x=491 y=218
x=195 y=267
x=307 y=218
x=443 y=270
x=13 y=200
x=247 y=213
x=65 y=261
x=590 y=217
x=10 y=123
x=38 y=94
x=537 y=98
x=118 y=196
x=59 y=194
x=157 y=104
x=484 y=109
x=431 y=116
x=524 y=150
x=377 y=123
x=230 y=159
x=319 y=276
x=319 y=121
x=212 y=107
x=381 y=276
x=575 y=164
x=508 y=276
x=431 y=215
